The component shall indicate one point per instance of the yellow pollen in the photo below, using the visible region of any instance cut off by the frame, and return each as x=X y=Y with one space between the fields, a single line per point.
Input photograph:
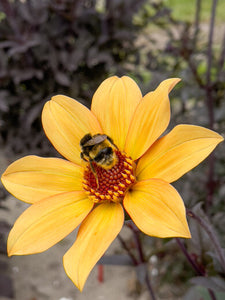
x=111 y=184
x=130 y=161
x=122 y=185
x=128 y=181
x=115 y=198
x=127 y=171
x=132 y=177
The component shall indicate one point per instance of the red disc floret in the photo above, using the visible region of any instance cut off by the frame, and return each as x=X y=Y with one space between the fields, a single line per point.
x=109 y=185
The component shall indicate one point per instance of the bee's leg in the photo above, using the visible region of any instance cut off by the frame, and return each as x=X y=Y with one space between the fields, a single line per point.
x=94 y=172
x=111 y=141
x=83 y=157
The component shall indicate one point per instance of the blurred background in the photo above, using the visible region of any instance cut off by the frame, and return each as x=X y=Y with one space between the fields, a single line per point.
x=50 y=47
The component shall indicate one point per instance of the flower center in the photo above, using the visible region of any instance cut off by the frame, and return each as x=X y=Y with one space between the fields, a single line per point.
x=106 y=185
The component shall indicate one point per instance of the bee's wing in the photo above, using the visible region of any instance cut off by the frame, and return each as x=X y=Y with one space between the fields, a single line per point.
x=97 y=139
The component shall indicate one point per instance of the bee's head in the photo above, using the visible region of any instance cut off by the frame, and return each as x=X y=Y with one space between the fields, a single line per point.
x=85 y=139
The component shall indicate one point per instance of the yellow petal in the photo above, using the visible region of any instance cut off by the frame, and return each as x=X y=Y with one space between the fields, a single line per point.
x=95 y=235
x=65 y=122
x=46 y=222
x=177 y=153
x=150 y=119
x=157 y=209
x=114 y=103
x=33 y=178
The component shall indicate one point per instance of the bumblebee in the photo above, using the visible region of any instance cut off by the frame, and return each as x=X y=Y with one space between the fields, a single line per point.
x=99 y=149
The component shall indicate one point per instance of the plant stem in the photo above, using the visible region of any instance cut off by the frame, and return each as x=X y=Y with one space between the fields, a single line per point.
x=136 y=233
x=212 y=295
x=124 y=245
x=211 y=235
x=191 y=261
x=138 y=242
x=210 y=184
x=210 y=104
x=149 y=286
x=193 y=69
x=194 y=265
x=196 y=24
x=221 y=60
x=209 y=53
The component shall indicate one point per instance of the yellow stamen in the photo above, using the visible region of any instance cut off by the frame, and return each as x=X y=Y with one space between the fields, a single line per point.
x=132 y=177
x=128 y=181
x=129 y=160
x=128 y=172
x=122 y=185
